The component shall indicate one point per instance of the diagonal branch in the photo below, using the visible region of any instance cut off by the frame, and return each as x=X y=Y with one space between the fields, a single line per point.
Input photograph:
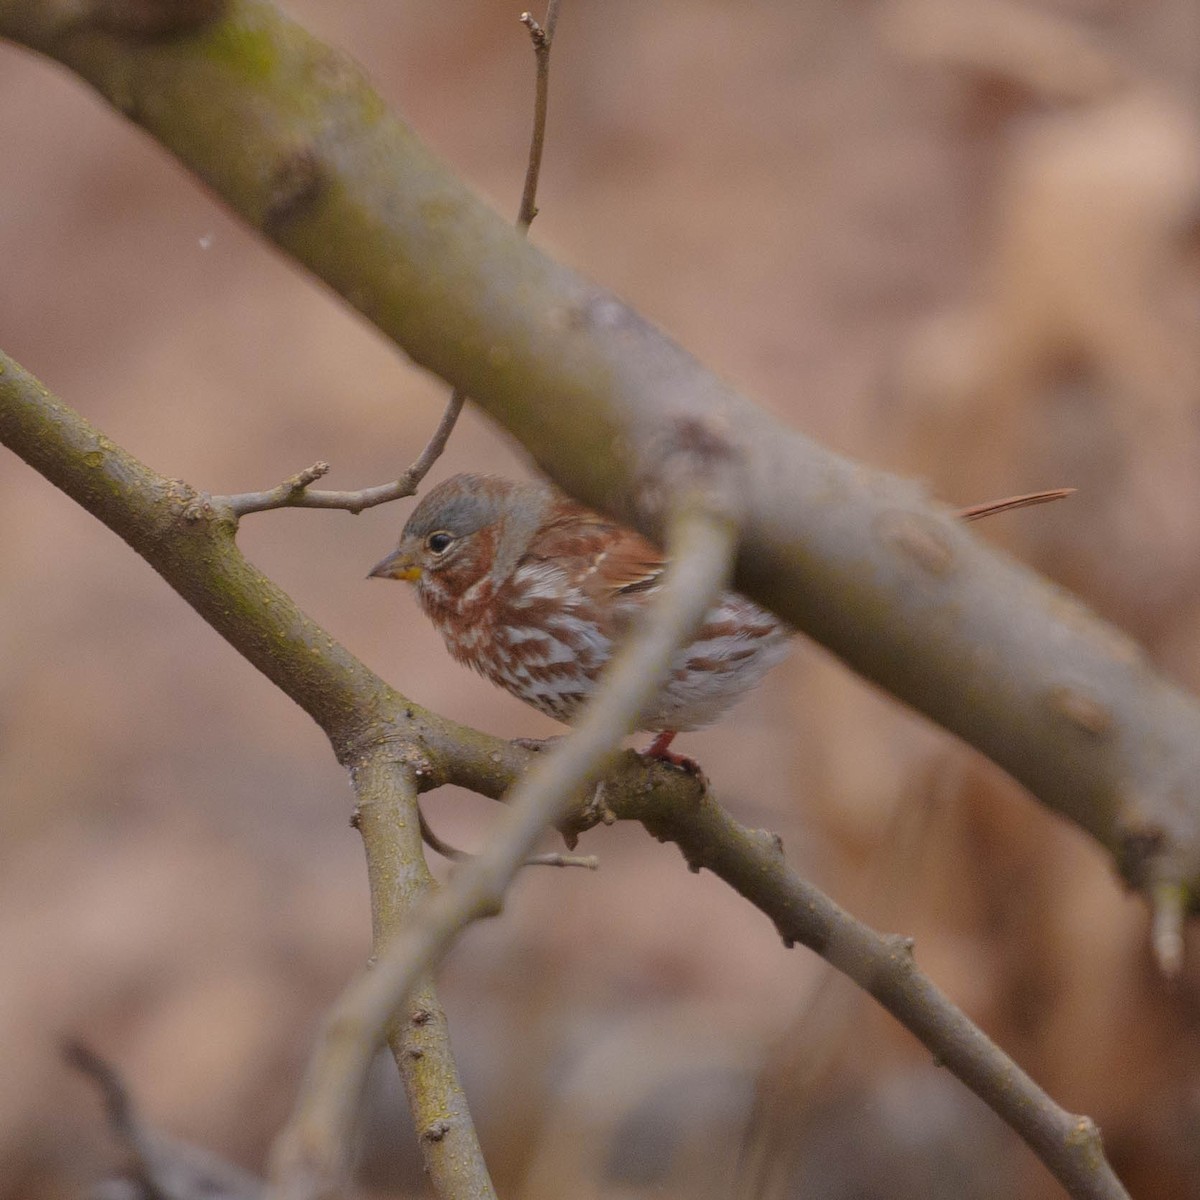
x=752 y=862
x=164 y=1168
x=860 y=561
x=190 y=541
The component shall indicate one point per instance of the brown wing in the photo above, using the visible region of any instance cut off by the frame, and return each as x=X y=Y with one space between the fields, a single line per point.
x=603 y=559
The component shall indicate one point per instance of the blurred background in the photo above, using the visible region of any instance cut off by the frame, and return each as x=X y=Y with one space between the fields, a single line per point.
x=954 y=238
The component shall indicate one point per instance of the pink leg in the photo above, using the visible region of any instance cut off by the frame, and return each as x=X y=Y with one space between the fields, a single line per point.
x=660 y=749
x=661 y=746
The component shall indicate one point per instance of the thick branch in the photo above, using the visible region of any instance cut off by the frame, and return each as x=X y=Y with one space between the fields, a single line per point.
x=858 y=560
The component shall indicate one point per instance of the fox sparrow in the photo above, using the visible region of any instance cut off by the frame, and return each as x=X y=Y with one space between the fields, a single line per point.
x=534 y=591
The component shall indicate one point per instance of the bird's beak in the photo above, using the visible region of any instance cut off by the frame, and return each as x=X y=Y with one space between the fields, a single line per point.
x=398 y=565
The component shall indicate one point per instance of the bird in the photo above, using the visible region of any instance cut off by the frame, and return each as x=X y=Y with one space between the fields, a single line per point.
x=535 y=591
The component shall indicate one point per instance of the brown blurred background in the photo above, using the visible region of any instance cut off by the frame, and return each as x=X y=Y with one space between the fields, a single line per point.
x=957 y=238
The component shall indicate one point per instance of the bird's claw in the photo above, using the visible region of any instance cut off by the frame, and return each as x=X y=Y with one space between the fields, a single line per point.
x=659 y=751
x=682 y=761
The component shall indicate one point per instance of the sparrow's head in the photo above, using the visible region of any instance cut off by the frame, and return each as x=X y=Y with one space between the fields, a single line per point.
x=466 y=528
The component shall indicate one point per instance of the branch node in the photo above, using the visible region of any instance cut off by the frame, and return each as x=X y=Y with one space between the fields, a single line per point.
x=1085 y=1135
x=310 y=475
x=294 y=186
x=436 y=1131
x=537 y=35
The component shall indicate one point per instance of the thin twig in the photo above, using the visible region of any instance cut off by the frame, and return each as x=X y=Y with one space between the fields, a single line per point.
x=295 y=492
x=992 y=507
x=752 y=862
x=588 y=861
x=701 y=546
x=542 y=37
x=163 y=1167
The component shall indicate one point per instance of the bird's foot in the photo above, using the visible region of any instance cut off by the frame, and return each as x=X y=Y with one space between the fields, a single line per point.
x=660 y=751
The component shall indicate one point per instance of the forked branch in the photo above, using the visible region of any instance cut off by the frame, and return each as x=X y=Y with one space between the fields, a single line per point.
x=295 y=491
x=312 y=1150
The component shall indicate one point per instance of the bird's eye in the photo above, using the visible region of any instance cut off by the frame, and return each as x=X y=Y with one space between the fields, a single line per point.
x=439 y=542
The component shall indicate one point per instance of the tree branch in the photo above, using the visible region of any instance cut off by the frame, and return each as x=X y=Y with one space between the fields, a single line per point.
x=542 y=37
x=385 y=785
x=164 y=1168
x=752 y=862
x=860 y=561
x=295 y=492
x=189 y=540
x=190 y=543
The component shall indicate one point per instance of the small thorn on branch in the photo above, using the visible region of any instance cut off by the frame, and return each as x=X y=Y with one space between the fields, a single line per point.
x=536 y=33
x=439 y=846
x=1169 y=903
x=310 y=475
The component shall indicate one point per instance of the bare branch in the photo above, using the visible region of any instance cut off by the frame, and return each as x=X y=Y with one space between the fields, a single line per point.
x=542 y=37
x=166 y=1169
x=701 y=547
x=751 y=861
x=385 y=785
x=190 y=541
x=295 y=492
